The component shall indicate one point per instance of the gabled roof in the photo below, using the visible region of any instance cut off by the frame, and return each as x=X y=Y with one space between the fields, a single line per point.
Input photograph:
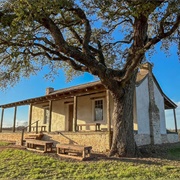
x=84 y=89
x=167 y=102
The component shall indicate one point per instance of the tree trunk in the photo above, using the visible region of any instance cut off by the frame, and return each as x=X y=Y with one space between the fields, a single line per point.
x=123 y=143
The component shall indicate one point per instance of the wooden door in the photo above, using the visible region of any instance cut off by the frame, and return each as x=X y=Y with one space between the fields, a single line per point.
x=70 y=128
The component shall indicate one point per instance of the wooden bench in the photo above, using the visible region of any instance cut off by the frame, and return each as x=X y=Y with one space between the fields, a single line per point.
x=96 y=126
x=74 y=151
x=32 y=144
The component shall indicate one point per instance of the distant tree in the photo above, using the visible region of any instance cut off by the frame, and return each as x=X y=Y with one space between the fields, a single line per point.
x=107 y=38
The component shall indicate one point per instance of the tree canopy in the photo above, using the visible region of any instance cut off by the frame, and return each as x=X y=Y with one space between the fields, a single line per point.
x=106 y=38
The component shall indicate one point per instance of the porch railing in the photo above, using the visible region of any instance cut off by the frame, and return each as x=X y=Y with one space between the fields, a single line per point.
x=22 y=134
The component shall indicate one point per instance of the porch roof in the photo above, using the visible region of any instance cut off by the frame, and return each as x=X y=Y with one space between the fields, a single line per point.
x=79 y=90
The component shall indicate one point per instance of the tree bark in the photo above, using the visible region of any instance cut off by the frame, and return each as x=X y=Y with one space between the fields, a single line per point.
x=123 y=143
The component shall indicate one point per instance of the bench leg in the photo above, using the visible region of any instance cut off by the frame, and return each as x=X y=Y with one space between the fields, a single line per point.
x=84 y=153
x=89 y=152
x=58 y=150
x=45 y=148
x=95 y=127
x=50 y=147
x=99 y=127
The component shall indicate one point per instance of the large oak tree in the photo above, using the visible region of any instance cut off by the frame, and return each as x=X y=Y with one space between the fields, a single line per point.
x=107 y=38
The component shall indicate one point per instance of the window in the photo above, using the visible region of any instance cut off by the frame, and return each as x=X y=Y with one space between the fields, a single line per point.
x=98 y=110
x=46 y=115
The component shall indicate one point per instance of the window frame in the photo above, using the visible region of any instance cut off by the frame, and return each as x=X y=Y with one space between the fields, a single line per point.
x=93 y=109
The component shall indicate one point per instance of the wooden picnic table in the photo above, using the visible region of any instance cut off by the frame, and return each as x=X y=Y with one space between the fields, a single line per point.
x=32 y=144
x=71 y=151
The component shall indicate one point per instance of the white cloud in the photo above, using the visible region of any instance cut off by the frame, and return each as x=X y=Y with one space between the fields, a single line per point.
x=21 y=123
x=18 y=123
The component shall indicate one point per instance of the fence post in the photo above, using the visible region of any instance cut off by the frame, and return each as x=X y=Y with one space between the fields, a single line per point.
x=22 y=137
x=36 y=127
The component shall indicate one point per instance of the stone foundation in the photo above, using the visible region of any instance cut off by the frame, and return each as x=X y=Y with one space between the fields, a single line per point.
x=98 y=140
x=172 y=138
x=13 y=137
x=142 y=139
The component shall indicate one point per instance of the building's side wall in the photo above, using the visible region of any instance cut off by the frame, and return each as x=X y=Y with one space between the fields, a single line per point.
x=85 y=112
x=142 y=107
x=135 y=122
x=37 y=114
x=86 y=109
x=58 y=116
x=159 y=100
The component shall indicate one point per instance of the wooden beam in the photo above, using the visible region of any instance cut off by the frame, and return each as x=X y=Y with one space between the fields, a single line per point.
x=98 y=97
x=2 y=116
x=30 y=117
x=175 y=121
x=14 y=122
x=68 y=102
x=50 y=115
x=75 y=114
x=108 y=116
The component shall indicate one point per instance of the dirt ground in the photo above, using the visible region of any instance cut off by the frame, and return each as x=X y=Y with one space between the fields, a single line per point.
x=150 y=154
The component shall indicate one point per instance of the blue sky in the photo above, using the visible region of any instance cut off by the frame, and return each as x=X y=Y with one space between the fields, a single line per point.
x=166 y=71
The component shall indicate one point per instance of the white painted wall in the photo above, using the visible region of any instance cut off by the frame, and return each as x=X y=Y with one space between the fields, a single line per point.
x=142 y=107
x=159 y=99
x=59 y=121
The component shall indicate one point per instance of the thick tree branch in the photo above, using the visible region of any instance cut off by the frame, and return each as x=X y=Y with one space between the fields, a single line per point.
x=140 y=53
x=163 y=35
x=87 y=33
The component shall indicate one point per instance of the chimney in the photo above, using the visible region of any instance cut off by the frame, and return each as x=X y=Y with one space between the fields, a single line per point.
x=49 y=90
x=146 y=68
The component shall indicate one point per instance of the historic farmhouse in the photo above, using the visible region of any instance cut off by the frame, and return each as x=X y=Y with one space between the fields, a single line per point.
x=83 y=114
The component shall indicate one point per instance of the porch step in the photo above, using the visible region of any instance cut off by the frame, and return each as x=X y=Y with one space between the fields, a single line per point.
x=34 y=136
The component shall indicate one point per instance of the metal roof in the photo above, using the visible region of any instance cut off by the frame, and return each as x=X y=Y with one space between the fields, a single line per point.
x=84 y=89
x=79 y=90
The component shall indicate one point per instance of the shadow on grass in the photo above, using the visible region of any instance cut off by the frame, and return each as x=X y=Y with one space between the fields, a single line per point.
x=151 y=154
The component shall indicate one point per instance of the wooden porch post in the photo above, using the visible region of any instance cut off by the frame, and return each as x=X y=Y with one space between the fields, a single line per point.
x=108 y=116
x=14 y=122
x=2 y=116
x=175 y=121
x=75 y=114
x=50 y=116
x=30 y=117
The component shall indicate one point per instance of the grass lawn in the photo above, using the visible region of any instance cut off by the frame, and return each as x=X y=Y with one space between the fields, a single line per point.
x=22 y=164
